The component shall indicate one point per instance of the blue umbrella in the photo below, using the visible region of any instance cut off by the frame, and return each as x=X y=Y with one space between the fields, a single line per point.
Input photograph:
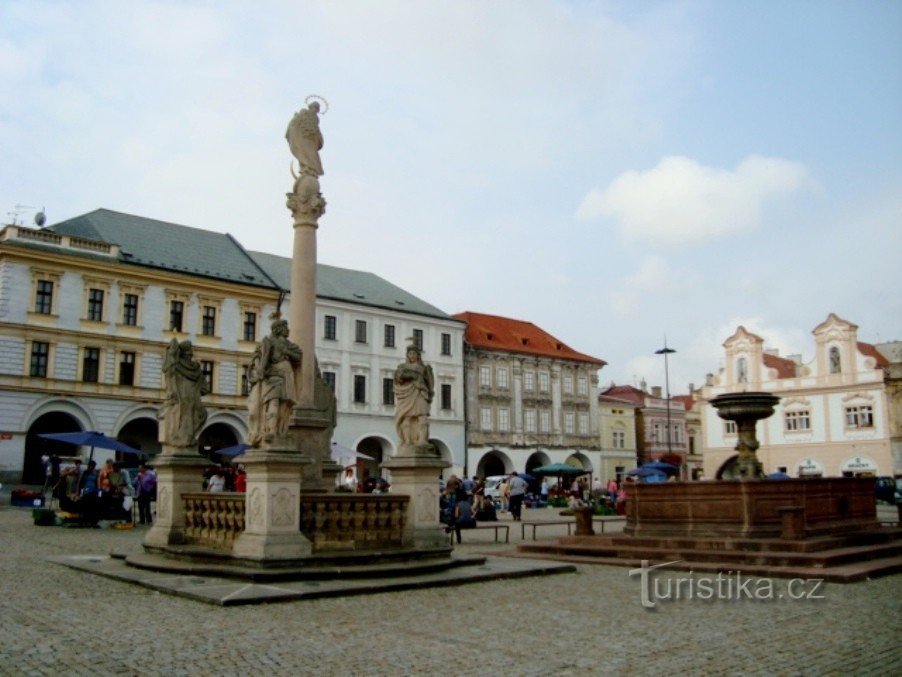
x=525 y=476
x=643 y=471
x=92 y=438
x=778 y=476
x=660 y=466
x=235 y=450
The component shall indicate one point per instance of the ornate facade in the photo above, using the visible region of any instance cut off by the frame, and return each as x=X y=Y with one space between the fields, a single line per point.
x=88 y=306
x=530 y=398
x=833 y=417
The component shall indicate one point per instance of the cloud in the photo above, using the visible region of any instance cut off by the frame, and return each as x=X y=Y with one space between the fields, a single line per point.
x=682 y=202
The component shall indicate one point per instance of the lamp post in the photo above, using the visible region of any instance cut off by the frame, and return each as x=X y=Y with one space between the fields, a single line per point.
x=665 y=351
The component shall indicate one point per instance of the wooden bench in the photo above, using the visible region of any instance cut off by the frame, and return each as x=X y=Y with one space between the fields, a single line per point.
x=497 y=526
x=602 y=520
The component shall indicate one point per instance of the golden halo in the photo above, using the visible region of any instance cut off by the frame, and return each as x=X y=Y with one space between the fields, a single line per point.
x=317 y=97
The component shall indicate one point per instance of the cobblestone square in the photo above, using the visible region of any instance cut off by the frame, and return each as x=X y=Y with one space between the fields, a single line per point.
x=55 y=620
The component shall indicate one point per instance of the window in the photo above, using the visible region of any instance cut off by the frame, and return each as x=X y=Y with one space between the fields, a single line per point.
x=582 y=386
x=389 y=336
x=676 y=432
x=797 y=420
x=130 y=310
x=529 y=380
x=569 y=422
x=206 y=368
x=245 y=383
x=529 y=420
x=250 y=326
x=504 y=420
x=359 y=388
x=43 y=300
x=90 y=365
x=446 y=344
x=360 y=331
x=729 y=427
x=544 y=421
x=126 y=369
x=95 y=305
x=388 y=391
x=418 y=338
x=860 y=417
x=568 y=384
x=501 y=377
x=329 y=378
x=485 y=376
x=543 y=381
x=176 y=315
x=618 y=439
x=40 y=357
x=656 y=433
x=208 y=321
x=446 y=396
x=485 y=418
x=583 y=424
x=330 y=327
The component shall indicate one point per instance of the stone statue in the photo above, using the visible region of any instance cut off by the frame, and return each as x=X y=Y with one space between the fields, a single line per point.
x=182 y=414
x=414 y=386
x=272 y=375
x=305 y=140
x=835 y=361
x=743 y=376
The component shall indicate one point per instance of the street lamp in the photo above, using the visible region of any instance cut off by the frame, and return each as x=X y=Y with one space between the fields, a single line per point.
x=665 y=351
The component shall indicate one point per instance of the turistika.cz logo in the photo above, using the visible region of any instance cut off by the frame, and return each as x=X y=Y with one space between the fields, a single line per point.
x=731 y=586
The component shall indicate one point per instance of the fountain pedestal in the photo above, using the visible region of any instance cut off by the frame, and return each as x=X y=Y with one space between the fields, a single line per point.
x=746 y=409
x=179 y=470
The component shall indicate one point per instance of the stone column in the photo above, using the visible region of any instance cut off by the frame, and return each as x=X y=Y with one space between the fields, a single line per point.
x=418 y=477
x=302 y=313
x=272 y=528
x=179 y=470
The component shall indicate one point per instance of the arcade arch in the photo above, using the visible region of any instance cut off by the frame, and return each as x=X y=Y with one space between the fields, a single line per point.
x=494 y=463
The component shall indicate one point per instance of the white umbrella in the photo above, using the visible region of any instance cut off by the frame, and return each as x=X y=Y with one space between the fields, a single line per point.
x=340 y=454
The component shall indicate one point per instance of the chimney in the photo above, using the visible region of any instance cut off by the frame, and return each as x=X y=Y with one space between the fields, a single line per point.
x=656 y=391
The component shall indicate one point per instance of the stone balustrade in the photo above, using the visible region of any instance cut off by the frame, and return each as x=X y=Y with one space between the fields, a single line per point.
x=329 y=521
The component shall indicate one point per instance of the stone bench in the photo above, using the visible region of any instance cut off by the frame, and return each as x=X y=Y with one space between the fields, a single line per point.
x=602 y=520
x=497 y=526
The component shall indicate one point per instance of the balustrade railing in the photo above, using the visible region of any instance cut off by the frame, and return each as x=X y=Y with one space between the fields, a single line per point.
x=330 y=521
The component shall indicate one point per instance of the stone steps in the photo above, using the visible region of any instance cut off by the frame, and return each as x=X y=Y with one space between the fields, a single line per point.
x=853 y=556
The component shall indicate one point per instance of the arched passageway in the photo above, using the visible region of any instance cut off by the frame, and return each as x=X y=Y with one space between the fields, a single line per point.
x=53 y=422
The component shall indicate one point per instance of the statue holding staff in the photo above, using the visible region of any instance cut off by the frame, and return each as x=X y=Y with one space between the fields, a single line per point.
x=182 y=414
x=272 y=375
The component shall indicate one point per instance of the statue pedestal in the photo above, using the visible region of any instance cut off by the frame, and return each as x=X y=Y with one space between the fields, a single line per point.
x=313 y=431
x=179 y=470
x=272 y=528
x=418 y=477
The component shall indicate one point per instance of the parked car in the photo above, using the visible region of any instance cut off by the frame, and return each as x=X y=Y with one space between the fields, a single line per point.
x=493 y=486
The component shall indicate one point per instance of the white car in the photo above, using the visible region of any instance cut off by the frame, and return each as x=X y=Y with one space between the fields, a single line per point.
x=493 y=486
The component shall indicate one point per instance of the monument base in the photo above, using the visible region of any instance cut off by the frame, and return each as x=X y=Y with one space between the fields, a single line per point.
x=418 y=477
x=179 y=471
x=272 y=514
x=312 y=429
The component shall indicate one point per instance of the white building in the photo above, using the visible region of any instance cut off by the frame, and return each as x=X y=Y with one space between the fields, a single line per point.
x=88 y=305
x=832 y=417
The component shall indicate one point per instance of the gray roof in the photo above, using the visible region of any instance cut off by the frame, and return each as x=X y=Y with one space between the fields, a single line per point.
x=352 y=286
x=192 y=251
x=168 y=246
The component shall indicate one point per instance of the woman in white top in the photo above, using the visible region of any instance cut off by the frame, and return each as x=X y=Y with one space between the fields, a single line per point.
x=217 y=483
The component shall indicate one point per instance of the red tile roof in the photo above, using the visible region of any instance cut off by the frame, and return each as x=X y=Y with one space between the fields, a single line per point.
x=500 y=333
x=686 y=400
x=785 y=368
x=871 y=351
x=624 y=394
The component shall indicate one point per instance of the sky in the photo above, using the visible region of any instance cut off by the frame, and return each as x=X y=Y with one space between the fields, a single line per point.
x=614 y=172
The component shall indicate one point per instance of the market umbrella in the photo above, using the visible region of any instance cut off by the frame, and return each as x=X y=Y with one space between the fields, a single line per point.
x=559 y=469
x=660 y=466
x=92 y=438
x=643 y=471
x=340 y=454
x=526 y=476
x=235 y=450
x=778 y=476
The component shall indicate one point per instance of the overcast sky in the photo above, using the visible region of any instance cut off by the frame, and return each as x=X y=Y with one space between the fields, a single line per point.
x=611 y=171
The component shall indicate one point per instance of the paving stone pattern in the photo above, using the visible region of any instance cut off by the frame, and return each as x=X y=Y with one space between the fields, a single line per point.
x=54 y=620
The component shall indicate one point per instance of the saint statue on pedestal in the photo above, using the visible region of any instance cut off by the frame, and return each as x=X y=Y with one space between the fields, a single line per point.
x=414 y=387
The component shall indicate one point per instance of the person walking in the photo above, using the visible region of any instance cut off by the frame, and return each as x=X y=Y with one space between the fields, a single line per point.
x=145 y=488
x=516 y=487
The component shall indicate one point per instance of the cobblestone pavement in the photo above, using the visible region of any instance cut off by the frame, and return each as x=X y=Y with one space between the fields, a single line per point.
x=54 y=619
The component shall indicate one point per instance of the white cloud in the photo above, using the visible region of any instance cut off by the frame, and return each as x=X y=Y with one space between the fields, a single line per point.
x=682 y=202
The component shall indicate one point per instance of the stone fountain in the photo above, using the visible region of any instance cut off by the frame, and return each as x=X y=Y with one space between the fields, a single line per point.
x=746 y=409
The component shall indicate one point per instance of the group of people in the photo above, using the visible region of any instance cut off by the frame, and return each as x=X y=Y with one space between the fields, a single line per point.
x=225 y=478
x=107 y=491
